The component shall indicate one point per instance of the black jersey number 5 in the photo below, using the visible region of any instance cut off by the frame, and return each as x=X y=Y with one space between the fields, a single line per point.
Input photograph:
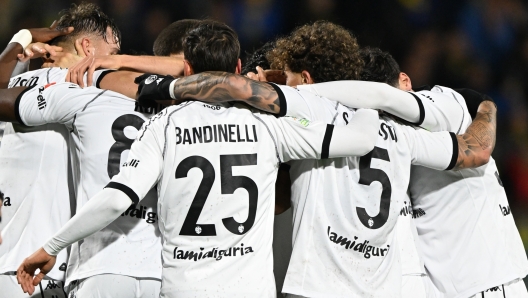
x=367 y=175
x=229 y=184
x=122 y=143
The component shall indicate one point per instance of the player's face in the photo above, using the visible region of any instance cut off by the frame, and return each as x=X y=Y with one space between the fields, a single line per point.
x=106 y=47
x=293 y=78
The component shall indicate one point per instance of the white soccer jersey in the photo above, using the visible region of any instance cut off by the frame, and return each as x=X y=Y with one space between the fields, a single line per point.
x=345 y=209
x=480 y=247
x=215 y=168
x=103 y=125
x=34 y=179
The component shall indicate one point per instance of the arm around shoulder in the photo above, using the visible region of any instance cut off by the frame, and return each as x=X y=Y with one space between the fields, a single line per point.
x=358 y=137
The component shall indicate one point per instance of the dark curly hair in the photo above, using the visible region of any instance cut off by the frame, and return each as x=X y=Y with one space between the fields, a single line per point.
x=379 y=67
x=327 y=51
x=258 y=58
x=86 y=18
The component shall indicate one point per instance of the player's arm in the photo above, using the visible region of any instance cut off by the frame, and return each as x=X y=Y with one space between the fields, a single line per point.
x=371 y=95
x=8 y=99
x=121 y=81
x=211 y=87
x=126 y=188
x=139 y=64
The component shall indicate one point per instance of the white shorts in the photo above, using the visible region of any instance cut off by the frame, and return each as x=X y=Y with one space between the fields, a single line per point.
x=115 y=286
x=513 y=289
x=9 y=288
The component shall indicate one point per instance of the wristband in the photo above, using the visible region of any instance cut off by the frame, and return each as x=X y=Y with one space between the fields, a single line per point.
x=23 y=37
x=171 y=89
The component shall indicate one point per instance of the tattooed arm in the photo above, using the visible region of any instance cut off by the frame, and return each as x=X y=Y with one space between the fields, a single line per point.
x=210 y=87
x=476 y=145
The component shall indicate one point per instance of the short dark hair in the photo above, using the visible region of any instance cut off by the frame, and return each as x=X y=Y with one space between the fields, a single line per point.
x=258 y=58
x=327 y=51
x=379 y=67
x=86 y=18
x=212 y=46
x=170 y=40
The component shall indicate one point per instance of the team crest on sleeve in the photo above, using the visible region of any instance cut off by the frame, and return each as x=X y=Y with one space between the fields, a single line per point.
x=151 y=79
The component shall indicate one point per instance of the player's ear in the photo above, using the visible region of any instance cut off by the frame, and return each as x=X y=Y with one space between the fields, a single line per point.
x=238 y=68
x=187 y=68
x=306 y=77
x=86 y=47
x=405 y=82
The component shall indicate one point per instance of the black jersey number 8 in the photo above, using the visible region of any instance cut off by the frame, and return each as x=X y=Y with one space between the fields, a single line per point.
x=367 y=175
x=122 y=143
x=229 y=184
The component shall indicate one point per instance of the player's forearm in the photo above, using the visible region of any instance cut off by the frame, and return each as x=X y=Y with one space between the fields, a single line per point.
x=370 y=95
x=476 y=145
x=121 y=82
x=215 y=87
x=152 y=64
x=8 y=61
x=100 y=211
x=358 y=137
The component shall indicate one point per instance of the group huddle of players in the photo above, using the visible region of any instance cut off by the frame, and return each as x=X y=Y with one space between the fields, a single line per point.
x=175 y=166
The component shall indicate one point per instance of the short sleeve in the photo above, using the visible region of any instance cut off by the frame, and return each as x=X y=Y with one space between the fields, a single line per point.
x=443 y=111
x=51 y=103
x=144 y=165
x=299 y=138
x=436 y=150
x=292 y=102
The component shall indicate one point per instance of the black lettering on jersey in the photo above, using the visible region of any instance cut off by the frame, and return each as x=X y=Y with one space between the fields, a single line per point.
x=357 y=245
x=133 y=163
x=19 y=82
x=122 y=142
x=215 y=253
x=148 y=110
x=345 y=117
x=7 y=202
x=214 y=108
x=505 y=210
x=216 y=133
x=387 y=131
x=141 y=213
x=427 y=96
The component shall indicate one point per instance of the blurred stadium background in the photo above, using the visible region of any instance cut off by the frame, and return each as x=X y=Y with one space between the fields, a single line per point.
x=457 y=43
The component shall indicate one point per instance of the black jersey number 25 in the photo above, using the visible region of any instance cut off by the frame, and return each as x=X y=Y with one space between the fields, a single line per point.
x=122 y=143
x=229 y=184
x=367 y=175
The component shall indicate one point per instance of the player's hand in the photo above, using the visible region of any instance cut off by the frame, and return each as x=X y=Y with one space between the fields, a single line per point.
x=38 y=50
x=26 y=272
x=47 y=34
x=268 y=75
x=153 y=87
x=88 y=65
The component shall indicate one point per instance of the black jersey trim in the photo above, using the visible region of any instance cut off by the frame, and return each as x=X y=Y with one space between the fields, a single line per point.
x=283 y=105
x=454 y=157
x=326 y=141
x=422 y=109
x=101 y=76
x=17 y=105
x=125 y=189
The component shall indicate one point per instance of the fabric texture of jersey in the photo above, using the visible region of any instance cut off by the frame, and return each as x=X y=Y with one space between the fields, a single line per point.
x=480 y=247
x=216 y=169
x=34 y=177
x=103 y=125
x=343 y=231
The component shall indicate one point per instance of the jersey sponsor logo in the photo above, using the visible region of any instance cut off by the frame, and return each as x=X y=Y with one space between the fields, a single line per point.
x=214 y=253
x=141 y=212
x=19 y=82
x=229 y=133
x=494 y=289
x=357 y=245
x=505 y=210
x=387 y=131
x=52 y=285
x=6 y=202
x=133 y=163
x=41 y=101
x=408 y=210
x=63 y=267
x=151 y=79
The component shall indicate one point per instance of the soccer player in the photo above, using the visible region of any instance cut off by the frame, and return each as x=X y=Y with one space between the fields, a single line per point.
x=124 y=253
x=460 y=258
x=215 y=167
x=345 y=210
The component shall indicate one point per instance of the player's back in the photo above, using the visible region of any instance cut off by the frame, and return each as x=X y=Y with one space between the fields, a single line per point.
x=34 y=179
x=103 y=125
x=481 y=247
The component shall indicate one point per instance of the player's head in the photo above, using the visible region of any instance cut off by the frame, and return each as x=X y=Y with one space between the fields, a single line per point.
x=315 y=53
x=258 y=58
x=381 y=67
x=94 y=32
x=212 y=46
x=170 y=41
